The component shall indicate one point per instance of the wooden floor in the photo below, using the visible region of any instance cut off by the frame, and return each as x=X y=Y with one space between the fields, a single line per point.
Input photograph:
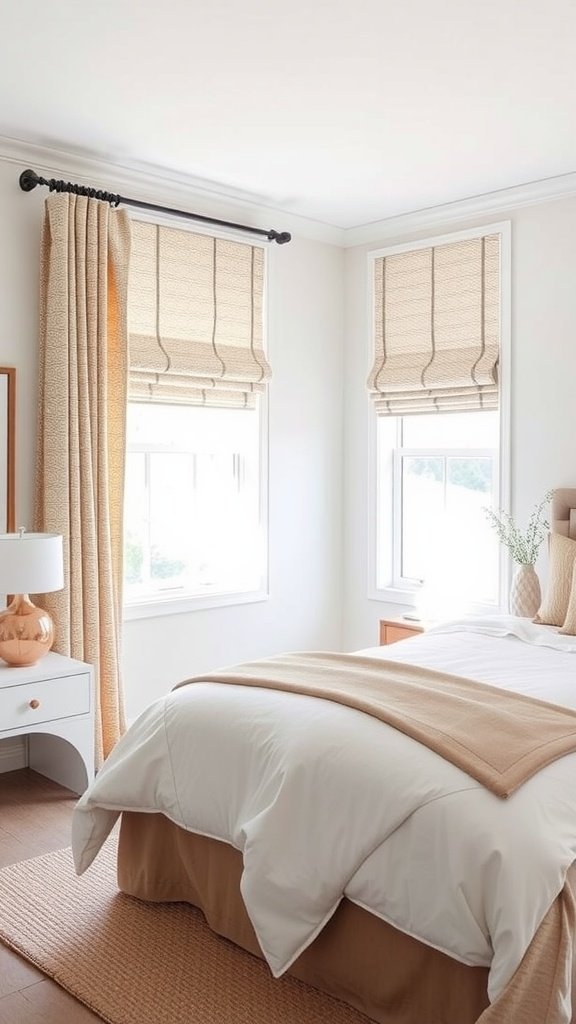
x=34 y=818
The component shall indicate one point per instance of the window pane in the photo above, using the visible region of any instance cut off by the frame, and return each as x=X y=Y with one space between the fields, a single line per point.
x=446 y=540
x=423 y=487
x=192 y=501
x=451 y=430
x=136 y=519
x=172 y=518
x=472 y=550
x=190 y=428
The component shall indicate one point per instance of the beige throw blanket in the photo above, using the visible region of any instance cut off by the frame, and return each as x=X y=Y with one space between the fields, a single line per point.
x=499 y=738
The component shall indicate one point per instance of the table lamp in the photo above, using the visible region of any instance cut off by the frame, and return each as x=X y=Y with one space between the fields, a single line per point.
x=30 y=563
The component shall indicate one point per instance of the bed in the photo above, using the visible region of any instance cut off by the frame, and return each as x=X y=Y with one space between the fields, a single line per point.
x=376 y=871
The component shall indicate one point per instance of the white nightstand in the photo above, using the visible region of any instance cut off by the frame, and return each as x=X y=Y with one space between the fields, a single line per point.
x=51 y=703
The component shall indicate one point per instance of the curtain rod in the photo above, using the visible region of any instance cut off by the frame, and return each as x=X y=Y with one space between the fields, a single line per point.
x=29 y=180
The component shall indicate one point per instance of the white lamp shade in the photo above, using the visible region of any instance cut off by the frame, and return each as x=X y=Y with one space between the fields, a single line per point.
x=31 y=563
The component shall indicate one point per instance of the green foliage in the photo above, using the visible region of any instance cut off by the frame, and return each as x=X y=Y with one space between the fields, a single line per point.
x=133 y=560
x=475 y=474
x=164 y=568
x=161 y=568
x=523 y=547
x=430 y=469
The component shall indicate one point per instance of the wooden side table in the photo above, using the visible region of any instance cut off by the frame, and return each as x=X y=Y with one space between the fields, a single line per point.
x=398 y=628
x=51 y=703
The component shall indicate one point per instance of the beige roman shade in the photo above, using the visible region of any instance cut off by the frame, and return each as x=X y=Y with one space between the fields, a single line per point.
x=195 y=318
x=437 y=328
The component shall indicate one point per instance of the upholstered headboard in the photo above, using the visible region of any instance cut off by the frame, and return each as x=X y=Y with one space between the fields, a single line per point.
x=563 y=512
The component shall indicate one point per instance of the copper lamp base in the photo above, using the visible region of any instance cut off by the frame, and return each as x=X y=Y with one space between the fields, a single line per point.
x=26 y=632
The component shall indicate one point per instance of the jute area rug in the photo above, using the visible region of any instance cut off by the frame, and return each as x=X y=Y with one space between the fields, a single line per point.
x=141 y=963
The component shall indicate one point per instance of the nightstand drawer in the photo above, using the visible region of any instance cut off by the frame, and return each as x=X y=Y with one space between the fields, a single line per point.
x=392 y=630
x=394 y=633
x=56 y=698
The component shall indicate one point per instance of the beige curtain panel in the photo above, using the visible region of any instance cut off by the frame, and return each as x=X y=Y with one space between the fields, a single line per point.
x=83 y=376
x=195 y=318
x=437 y=329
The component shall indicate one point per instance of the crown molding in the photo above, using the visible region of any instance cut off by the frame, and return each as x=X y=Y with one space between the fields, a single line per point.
x=491 y=203
x=160 y=185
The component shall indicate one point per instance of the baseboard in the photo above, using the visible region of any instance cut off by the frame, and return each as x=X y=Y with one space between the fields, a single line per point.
x=13 y=754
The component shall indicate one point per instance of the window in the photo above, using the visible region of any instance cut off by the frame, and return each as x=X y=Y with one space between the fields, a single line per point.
x=438 y=387
x=443 y=473
x=193 y=523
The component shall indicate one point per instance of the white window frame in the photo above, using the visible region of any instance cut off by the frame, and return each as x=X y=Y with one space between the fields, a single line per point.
x=397 y=592
x=400 y=582
x=155 y=606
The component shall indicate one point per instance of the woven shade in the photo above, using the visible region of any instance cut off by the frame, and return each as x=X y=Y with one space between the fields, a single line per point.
x=195 y=319
x=437 y=329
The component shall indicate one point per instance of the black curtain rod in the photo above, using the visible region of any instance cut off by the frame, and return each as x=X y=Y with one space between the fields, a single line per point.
x=29 y=180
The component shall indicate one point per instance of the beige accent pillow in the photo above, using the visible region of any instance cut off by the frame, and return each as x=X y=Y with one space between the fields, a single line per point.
x=569 y=626
x=562 y=558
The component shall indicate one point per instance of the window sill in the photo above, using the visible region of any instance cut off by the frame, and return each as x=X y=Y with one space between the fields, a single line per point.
x=156 y=607
x=409 y=599
x=395 y=595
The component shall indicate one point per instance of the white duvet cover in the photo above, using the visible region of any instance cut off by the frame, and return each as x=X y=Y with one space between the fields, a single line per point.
x=326 y=801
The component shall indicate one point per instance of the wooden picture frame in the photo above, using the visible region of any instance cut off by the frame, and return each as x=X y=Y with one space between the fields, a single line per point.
x=7 y=448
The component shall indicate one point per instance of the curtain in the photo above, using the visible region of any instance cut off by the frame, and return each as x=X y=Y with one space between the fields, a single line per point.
x=437 y=328
x=195 y=319
x=81 y=435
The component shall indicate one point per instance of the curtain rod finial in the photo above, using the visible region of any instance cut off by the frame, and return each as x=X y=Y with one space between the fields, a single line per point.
x=281 y=237
x=28 y=180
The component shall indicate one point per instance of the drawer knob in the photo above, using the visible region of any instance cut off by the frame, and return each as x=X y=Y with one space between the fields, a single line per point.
x=34 y=703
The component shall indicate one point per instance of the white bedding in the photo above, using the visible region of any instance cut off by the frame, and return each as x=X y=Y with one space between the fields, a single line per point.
x=325 y=801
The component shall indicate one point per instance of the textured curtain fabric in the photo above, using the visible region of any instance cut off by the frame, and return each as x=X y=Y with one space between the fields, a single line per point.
x=195 y=319
x=82 y=433
x=437 y=328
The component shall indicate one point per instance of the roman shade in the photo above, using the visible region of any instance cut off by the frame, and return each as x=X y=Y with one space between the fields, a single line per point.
x=195 y=318
x=437 y=328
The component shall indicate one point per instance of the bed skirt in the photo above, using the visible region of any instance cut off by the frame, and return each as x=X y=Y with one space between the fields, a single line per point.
x=358 y=958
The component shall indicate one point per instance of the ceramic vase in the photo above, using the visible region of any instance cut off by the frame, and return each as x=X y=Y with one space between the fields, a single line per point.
x=525 y=593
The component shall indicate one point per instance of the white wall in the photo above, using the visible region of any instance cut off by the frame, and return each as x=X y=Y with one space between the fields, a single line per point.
x=305 y=422
x=543 y=415
x=19 y=270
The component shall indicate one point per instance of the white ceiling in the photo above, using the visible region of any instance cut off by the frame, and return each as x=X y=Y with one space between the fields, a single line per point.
x=345 y=111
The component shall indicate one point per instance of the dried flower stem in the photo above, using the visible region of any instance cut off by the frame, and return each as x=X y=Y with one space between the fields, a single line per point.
x=523 y=547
